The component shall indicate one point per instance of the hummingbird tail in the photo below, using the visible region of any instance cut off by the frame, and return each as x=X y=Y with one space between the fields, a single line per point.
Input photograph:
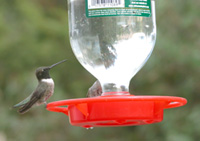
x=22 y=110
x=26 y=107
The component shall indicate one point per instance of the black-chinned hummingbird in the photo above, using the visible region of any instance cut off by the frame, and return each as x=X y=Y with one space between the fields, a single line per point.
x=44 y=90
x=95 y=89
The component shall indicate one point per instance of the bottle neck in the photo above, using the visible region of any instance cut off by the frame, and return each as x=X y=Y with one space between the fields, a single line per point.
x=114 y=89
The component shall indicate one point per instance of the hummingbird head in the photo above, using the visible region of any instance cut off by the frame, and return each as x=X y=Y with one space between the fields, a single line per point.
x=43 y=72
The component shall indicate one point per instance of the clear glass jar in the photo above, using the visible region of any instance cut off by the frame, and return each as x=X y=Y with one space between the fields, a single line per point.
x=112 y=48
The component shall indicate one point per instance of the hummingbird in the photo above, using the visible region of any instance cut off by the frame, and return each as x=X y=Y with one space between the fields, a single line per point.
x=95 y=89
x=44 y=90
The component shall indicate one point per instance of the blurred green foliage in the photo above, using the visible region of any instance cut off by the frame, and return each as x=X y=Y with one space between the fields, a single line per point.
x=34 y=33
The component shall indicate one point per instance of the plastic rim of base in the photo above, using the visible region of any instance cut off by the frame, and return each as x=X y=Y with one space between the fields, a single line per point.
x=115 y=110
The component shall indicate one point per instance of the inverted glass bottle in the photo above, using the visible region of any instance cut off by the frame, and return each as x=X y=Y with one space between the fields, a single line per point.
x=112 y=48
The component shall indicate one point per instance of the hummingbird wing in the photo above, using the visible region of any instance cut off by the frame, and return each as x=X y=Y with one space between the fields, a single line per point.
x=34 y=98
x=22 y=102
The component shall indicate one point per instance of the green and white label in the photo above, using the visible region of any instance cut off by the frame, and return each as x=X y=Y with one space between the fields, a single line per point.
x=103 y=8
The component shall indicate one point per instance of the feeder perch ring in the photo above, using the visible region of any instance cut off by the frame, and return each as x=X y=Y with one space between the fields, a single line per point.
x=116 y=110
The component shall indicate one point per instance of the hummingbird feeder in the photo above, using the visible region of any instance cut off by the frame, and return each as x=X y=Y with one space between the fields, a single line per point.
x=113 y=39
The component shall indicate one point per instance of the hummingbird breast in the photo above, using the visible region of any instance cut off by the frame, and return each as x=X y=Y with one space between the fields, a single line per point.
x=48 y=85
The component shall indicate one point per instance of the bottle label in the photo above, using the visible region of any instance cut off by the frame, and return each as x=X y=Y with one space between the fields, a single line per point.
x=105 y=8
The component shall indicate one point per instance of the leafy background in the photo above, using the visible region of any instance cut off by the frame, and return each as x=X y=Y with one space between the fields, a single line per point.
x=35 y=32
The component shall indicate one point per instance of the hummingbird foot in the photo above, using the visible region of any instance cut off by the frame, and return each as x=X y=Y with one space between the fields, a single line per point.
x=45 y=103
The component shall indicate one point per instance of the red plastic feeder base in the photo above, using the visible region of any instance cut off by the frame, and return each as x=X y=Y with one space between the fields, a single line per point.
x=116 y=110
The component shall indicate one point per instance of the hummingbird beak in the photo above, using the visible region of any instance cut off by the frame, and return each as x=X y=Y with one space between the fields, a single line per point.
x=57 y=63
